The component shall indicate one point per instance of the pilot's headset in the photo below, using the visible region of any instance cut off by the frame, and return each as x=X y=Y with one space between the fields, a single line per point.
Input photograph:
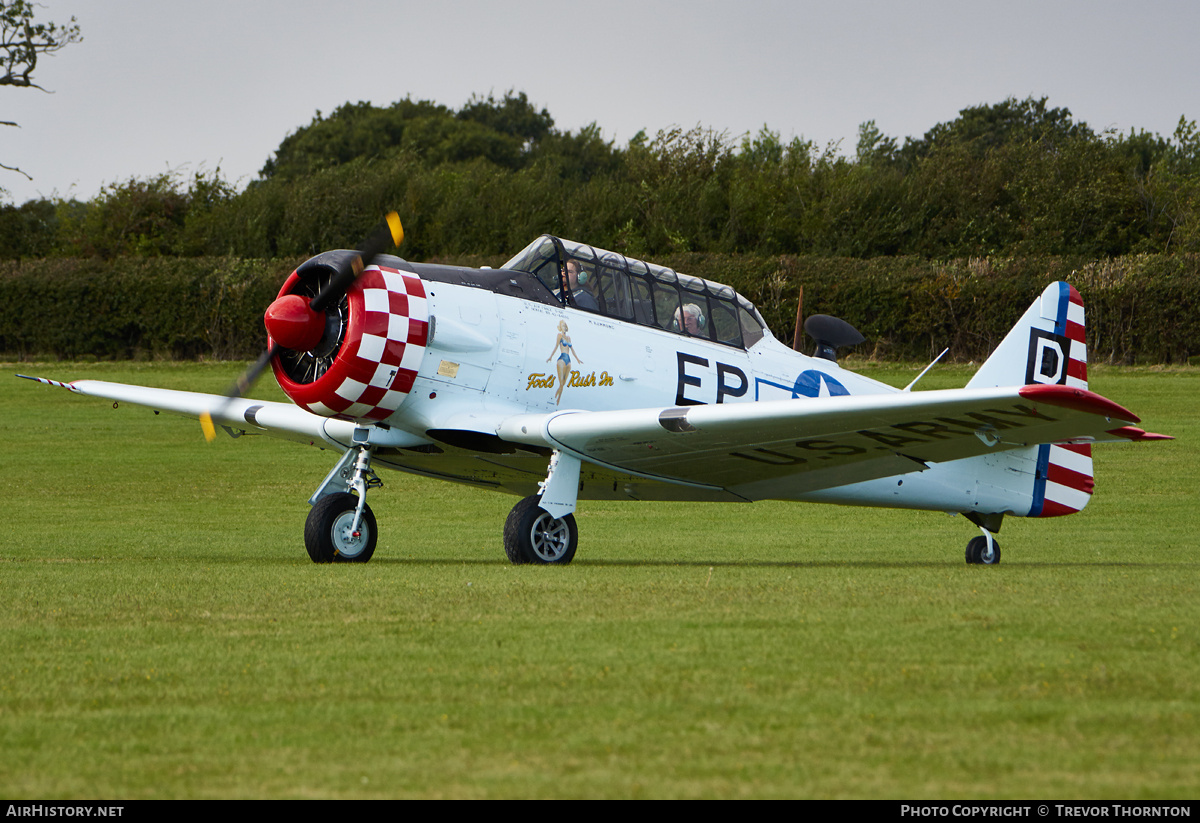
x=701 y=320
x=581 y=278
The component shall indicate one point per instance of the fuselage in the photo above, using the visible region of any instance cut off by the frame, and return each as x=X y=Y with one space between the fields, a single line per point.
x=442 y=356
x=493 y=355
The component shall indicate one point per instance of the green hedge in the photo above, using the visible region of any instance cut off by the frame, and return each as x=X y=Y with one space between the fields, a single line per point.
x=136 y=308
x=1141 y=308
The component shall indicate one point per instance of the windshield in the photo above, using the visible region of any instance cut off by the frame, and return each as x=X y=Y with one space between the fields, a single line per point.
x=539 y=258
x=611 y=284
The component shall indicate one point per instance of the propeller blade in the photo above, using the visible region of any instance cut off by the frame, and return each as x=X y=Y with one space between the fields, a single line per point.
x=240 y=387
x=391 y=233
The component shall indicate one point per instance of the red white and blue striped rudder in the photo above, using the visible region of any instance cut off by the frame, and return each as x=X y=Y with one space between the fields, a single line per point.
x=1048 y=345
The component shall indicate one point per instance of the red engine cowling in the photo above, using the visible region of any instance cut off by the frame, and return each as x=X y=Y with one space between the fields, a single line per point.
x=370 y=343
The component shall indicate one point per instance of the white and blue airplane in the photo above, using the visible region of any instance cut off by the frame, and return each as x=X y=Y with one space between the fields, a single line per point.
x=573 y=373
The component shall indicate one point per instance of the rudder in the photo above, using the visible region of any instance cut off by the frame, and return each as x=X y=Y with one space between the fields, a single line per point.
x=1048 y=345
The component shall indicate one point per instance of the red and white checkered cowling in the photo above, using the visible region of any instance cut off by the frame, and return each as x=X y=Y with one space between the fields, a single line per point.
x=387 y=329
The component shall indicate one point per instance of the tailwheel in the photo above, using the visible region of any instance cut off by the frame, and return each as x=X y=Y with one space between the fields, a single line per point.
x=532 y=535
x=984 y=550
x=332 y=535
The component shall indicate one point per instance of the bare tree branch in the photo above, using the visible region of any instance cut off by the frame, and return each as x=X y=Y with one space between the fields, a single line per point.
x=14 y=168
x=21 y=41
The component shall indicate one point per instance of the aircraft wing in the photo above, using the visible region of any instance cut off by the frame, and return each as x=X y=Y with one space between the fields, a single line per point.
x=236 y=415
x=809 y=444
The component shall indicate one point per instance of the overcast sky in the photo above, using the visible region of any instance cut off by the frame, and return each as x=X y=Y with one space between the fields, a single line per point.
x=160 y=85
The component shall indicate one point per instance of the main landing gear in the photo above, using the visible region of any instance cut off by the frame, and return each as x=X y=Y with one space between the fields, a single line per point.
x=541 y=528
x=338 y=532
x=533 y=535
x=341 y=527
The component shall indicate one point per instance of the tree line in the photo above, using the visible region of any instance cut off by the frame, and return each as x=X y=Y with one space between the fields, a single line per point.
x=1015 y=178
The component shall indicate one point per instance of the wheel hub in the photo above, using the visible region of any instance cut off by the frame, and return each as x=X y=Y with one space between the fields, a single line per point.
x=549 y=537
x=347 y=541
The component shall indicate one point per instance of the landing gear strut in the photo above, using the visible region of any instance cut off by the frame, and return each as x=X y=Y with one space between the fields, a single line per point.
x=341 y=527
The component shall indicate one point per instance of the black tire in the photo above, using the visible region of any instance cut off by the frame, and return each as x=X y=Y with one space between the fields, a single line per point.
x=326 y=531
x=977 y=552
x=531 y=535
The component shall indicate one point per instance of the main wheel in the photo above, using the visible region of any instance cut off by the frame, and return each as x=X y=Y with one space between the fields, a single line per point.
x=532 y=535
x=978 y=553
x=327 y=534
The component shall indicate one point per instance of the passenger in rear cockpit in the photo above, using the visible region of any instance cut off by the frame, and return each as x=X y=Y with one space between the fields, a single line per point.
x=692 y=322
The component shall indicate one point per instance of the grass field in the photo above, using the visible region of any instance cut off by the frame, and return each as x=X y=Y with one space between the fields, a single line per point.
x=164 y=634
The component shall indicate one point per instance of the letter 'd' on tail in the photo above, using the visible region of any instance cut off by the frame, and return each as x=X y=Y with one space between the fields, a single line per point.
x=1048 y=345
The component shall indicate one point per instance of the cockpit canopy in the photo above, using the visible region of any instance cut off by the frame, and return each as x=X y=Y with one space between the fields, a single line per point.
x=611 y=284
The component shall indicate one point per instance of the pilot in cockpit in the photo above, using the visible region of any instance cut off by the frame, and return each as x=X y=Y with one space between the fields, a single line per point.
x=692 y=322
x=576 y=278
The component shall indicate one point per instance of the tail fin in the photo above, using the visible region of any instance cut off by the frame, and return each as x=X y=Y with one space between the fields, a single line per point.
x=1047 y=345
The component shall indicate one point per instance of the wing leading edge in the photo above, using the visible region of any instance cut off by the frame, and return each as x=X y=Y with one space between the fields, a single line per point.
x=236 y=415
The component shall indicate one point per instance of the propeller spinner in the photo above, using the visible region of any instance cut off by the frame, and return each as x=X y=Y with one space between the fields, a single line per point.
x=297 y=323
x=292 y=323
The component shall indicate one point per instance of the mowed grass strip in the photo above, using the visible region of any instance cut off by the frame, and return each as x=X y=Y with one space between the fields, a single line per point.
x=165 y=635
